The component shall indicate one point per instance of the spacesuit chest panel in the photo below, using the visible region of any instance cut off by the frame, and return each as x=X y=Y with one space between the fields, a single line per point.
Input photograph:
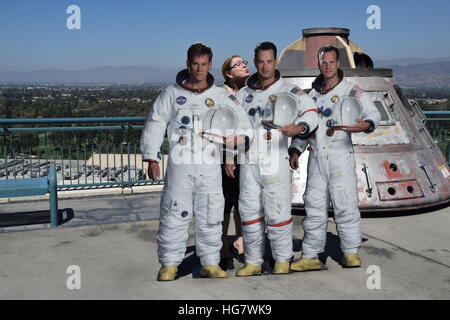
x=186 y=125
x=268 y=145
x=253 y=105
x=327 y=107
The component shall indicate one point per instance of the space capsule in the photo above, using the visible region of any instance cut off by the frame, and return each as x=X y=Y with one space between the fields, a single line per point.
x=399 y=167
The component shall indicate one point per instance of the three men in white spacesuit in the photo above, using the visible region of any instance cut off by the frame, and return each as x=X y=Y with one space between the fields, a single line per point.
x=192 y=184
x=193 y=187
x=331 y=166
x=265 y=178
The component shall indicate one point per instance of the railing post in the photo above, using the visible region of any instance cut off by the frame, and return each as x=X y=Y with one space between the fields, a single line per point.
x=53 y=196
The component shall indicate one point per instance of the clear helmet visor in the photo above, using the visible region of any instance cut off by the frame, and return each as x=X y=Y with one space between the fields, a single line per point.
x=345 y=112
x=219 y=123
x=351 y=110
x=280 y=110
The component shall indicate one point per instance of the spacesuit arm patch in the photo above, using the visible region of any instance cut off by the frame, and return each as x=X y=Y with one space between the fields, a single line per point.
x=296 y=90
x=356 y=92
x=234 y=99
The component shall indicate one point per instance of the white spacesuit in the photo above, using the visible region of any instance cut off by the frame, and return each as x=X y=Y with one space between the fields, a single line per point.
x=265 y=177
x=331 y=171
x=193 y=177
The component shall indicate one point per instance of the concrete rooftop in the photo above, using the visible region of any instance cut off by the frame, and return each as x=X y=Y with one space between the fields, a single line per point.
x=112 y=239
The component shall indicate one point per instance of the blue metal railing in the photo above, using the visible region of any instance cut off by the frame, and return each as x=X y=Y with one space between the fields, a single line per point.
x=102 y=155
x=438 y=124
x=105 y=152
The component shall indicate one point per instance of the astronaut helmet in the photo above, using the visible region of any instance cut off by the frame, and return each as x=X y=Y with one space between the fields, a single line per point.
x=345 y=112
x=280 y=110
x=218 y=123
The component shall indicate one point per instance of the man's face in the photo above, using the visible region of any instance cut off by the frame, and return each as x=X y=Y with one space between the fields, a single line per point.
x=265 y=63
x=329 y=65
x=199 y=67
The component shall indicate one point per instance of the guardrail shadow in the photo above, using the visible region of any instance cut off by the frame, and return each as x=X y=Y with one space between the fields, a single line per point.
x=18 y=219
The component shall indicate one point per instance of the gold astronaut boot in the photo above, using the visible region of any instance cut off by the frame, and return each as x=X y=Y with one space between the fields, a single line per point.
x=167 y=273
x=306 y=264
x=249 y=270
x=281 y=268
x=351 y=260
x=212 y=272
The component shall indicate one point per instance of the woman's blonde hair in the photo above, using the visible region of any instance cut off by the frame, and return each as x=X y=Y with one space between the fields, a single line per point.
x=226 y=67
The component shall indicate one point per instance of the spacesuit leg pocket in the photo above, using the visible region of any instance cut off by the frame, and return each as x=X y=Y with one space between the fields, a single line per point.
x=272 y=207
x=216 y=204
x=340 y=198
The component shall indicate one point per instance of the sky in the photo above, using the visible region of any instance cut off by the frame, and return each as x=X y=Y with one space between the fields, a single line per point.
x=34 y=34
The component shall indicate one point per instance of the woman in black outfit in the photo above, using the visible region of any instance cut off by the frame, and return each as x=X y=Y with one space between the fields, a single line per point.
x=235 y=73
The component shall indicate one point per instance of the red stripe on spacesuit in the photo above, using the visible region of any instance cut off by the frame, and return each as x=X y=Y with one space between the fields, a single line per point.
x=247 y=223
x=315 y=110
x=281 y=224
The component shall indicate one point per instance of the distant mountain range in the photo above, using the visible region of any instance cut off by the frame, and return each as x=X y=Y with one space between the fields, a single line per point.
x=403 y=62
x=436 y=75
x=409 y=72
x=123 y=75
x=419 y=72
x=100 y=75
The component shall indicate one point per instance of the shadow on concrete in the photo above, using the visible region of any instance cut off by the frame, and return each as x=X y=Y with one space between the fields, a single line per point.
x=34 y=217
x=332 y=248
x=191 y=263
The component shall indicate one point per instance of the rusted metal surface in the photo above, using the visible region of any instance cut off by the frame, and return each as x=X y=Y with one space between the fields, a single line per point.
x=317 y=38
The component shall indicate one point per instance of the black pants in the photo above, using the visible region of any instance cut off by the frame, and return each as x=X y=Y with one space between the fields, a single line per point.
x=230 y=188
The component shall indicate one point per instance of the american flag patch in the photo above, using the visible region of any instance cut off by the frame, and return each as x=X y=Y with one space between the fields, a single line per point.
x=296 y=90
x=356 y=91
x=234 y=99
